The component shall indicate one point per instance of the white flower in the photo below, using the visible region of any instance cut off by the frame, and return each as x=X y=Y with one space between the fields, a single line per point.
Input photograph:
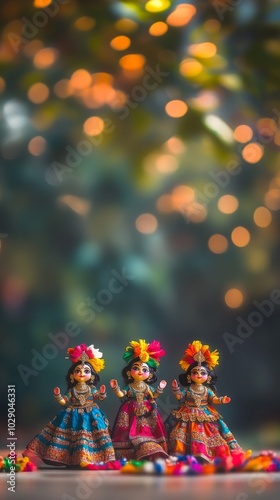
x=95 y=352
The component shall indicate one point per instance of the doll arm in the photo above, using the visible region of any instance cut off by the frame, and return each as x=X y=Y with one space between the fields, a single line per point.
x=223 y=400
x=59 y=398
x=159 y=389
x=116 y=388
x=176 y=390
x=101 y=394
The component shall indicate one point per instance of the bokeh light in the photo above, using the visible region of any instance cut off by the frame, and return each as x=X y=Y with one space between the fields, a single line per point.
x=194 y=212
x=120 y=42
x=166 y=163
x=38 y=93
x=158 y=29
x=165 y=203
x=146 y=223
x=42 y=3
x=132 y=62
x=243 y=133
x=182 y=15
x=228 y=204
x=253 y=152
x=218 y=243
x=126 y=25
x=157 y=5
x=175 y=145
x=84 y=23
x=267 y=127
x=272 y=199
x=182 y=196
x=234 y=298
x=204 y=50
x=262 y=217
x=80 y=79
x=63 y=89
x=45 y=58
x=240 y=236
x=176 y=108
x=37 y=145
x=93 y=126
x=190 y=68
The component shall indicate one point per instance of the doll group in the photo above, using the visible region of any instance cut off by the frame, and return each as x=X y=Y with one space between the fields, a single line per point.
x=80 y=434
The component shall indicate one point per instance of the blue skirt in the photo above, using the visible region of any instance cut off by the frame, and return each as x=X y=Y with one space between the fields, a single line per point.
x=75 y=436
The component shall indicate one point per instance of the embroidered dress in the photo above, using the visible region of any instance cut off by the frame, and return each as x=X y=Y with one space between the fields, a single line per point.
x=196 y=428
x=139 y=430
x=78 y=434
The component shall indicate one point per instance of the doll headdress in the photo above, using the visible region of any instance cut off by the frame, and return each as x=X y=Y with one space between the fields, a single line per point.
x=147 y=353
x=198 y=352
x=87 y=353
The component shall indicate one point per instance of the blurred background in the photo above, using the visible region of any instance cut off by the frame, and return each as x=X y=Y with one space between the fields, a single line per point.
x=140 y=197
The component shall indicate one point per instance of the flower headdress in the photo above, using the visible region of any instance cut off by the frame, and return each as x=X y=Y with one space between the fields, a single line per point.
x=87 y=353
x=198 y=352
x=147 y=353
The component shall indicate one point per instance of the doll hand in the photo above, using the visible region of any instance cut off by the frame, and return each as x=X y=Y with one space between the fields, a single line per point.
x=159 y=389
x=226 y=400
x=176 y=390
x=113 y=383
x=116 y=388
x=101 y=394
x=60 y=399
x=174 y=385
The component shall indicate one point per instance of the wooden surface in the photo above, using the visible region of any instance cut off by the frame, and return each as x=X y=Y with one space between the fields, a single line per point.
x=62 y=484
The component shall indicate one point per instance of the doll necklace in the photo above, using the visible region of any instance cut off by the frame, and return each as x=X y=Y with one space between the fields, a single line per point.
x=81 y=392
x=198 y=396
x=138 y=386
x=200 y=389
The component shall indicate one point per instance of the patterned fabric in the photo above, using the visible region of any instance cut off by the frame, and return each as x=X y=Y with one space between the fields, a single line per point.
x=199 y=430
x=78 y=434
x=139 y=430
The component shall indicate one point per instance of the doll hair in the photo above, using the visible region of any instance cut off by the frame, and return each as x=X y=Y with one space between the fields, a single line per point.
x=184 y=380
x=71 y=371
x=127 y=368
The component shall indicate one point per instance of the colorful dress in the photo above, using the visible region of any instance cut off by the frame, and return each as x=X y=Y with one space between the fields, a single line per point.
x=78 y=434
x=196 y=428
x=139 y=430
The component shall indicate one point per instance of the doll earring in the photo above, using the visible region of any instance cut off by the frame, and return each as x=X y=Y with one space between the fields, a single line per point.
x=92 y=378
x=129 y=376
x=72 y=379
x=189 y=379
x=208 y=379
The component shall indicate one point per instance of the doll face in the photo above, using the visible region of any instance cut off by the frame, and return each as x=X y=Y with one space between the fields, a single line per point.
x=199 y=375
x=140 y=371
x=82 y=373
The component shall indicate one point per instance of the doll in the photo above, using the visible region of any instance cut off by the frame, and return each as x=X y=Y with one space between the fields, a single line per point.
x=139 y=432
x=196 y=428
x=79 y=434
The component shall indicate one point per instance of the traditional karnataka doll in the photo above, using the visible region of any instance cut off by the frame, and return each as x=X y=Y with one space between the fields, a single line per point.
x=138 y=432
x=196 y=428
x=79 y=434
